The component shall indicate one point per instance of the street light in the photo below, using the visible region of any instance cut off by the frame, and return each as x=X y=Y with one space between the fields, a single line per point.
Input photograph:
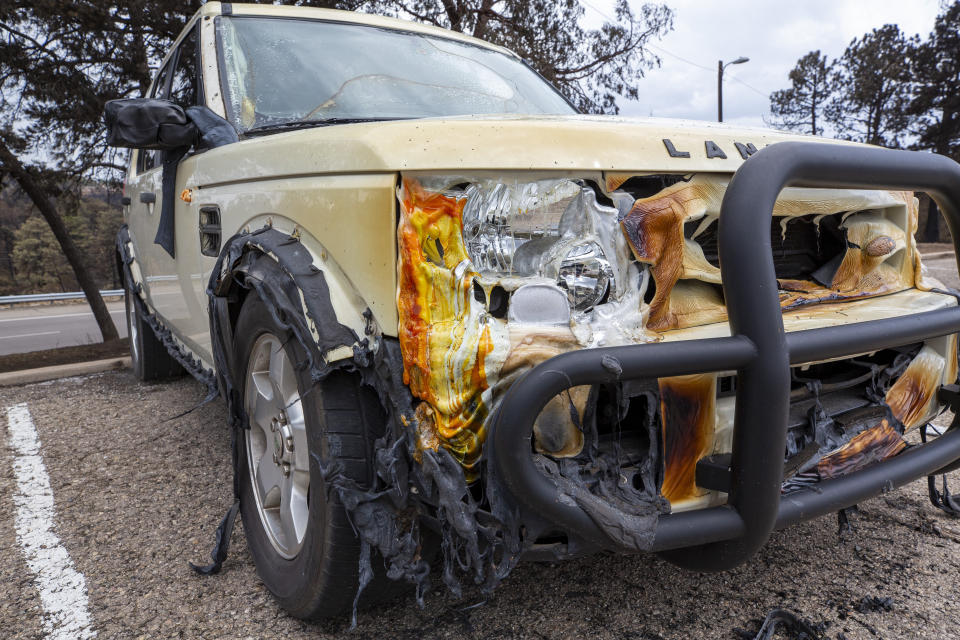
x=720 y=68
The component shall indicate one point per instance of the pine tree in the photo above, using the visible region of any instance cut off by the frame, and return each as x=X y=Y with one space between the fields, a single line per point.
x=873 y=79
x=800 y=107
x=936 y=103
x=59 y=63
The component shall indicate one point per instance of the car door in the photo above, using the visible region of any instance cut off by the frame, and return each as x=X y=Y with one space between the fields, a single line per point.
x=172 y=282
x=186 y=303
x=143 y=188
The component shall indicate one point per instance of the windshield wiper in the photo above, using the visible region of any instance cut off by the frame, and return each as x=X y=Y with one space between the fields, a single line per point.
x=293 y=125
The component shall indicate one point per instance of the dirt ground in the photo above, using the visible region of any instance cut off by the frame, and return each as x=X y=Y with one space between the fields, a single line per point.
x=64 y=355
x=928 y=248
x=139 y=491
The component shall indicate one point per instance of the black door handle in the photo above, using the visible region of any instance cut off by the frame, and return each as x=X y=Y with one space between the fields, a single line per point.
x=148 y=197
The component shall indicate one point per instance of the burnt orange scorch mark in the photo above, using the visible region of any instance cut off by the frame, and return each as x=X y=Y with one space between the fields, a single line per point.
x=911 y=395
x=615 y=180
x=413 y=296
x=654 y=230
x=687 y=404
x=802 y=293
x=869 y=446
x=444 y=348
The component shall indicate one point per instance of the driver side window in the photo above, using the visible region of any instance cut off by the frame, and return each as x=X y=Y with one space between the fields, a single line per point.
x=179 y=82
x=150 y=158
x=185 y=86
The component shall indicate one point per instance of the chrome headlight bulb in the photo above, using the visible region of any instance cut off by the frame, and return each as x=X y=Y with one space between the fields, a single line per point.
x=586 y=276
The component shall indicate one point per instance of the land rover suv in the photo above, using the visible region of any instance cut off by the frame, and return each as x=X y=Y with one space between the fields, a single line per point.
x=457 y=324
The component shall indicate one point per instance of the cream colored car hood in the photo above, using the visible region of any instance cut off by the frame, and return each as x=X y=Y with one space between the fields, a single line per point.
x=575 y=143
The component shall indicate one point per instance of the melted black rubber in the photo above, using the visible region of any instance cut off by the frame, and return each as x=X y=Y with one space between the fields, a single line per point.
x=154 y=362
x=343 y=421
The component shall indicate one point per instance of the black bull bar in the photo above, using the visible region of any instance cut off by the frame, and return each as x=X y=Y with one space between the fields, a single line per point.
x=721 y=537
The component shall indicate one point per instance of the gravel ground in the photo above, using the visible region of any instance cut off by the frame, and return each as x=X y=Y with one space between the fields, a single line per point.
x=944 y=269
x=139 y=492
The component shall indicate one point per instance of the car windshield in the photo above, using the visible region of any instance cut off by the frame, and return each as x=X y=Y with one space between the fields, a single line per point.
x=279 y=71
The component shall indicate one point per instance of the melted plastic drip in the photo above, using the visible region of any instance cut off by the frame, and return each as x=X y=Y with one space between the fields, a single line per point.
x=686 y=292
x=909 y=401
x=481 y=546
x=444 y=343
x=913 y=395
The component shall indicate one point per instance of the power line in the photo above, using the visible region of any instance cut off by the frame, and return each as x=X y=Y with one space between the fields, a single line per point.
x=749 y=86
x=603 y=14
x=700 y=66
x=678 y=57
x=672 y=54
x=649 y=44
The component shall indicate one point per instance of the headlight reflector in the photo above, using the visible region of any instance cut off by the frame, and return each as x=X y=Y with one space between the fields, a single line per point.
x=552 y=229
x=500 y=218
x=586 y=275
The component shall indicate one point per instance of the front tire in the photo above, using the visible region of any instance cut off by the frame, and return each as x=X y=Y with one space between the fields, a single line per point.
x=302 y=542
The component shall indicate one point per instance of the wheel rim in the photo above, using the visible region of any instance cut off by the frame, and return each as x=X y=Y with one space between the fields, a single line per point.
x=133 y=330
x=277 y=454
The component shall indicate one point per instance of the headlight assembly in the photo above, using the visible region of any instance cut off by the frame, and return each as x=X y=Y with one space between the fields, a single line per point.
x=546 y=229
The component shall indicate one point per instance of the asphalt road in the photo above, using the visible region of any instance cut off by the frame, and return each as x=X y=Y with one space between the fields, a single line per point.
x=34 y=328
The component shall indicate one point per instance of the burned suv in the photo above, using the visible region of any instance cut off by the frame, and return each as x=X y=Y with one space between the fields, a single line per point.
x=457 y=324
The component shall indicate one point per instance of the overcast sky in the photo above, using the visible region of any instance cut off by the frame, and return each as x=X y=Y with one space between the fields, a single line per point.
x=772 y=33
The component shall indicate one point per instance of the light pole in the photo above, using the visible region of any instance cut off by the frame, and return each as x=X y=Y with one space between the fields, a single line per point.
x=720 y=68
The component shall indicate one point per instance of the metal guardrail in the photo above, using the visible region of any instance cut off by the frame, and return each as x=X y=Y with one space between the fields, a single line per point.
x=52 y=297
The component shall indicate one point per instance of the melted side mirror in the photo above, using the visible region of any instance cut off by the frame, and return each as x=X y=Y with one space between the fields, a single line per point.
x=148 y=123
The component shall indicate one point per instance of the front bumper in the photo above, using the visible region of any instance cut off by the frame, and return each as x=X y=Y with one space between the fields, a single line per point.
x=721 y=537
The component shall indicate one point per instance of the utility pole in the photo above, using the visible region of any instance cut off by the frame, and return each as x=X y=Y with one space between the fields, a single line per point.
x=719 y=90
x=720 y=68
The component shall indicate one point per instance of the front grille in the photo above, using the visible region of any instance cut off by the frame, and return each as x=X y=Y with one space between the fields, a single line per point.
x=797 y=252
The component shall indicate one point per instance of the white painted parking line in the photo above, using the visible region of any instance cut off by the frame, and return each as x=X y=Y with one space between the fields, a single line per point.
x=29 y=335
x=63 y=591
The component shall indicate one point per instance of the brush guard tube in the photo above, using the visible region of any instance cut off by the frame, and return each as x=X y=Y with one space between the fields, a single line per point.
x=722 y=537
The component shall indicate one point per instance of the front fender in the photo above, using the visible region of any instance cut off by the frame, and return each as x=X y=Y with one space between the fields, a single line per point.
x=338 y=317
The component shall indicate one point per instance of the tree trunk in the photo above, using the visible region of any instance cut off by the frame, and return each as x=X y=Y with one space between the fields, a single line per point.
x=483 y=16
x=453 y=14
x=12 y=164
x=931 y=228
x=813 y=110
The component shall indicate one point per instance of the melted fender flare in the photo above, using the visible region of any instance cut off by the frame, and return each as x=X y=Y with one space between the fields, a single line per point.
x=296 y=293
x=281 y=271
x=386 y=516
